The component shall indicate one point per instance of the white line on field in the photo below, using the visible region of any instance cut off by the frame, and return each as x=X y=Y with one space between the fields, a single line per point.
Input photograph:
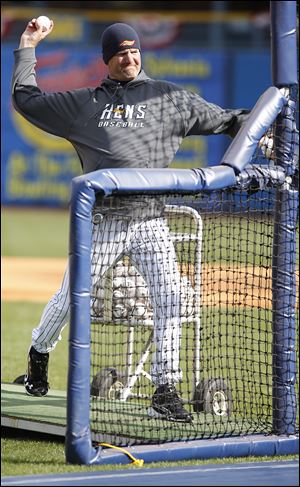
x=148 y=472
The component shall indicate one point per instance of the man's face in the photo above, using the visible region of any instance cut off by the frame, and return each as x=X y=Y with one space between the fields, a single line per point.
x=125 y=65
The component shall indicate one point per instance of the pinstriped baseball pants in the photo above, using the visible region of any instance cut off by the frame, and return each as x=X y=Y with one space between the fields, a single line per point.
x=150 y=249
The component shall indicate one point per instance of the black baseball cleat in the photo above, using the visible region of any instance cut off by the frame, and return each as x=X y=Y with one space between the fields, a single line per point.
x=166 y=404
x=36 y=379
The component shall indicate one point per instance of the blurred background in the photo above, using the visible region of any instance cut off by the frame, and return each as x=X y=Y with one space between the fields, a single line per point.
x=220 y=50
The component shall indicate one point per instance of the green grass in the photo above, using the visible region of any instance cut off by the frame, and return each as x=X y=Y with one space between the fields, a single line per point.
x=18 y=319
x=34 y=233
x=27 y=456
x=45 y=233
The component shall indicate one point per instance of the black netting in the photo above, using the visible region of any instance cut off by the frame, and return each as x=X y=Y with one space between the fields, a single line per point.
x=183 y=295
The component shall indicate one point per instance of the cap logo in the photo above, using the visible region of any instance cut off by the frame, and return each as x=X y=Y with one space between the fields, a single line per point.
x=126 y=43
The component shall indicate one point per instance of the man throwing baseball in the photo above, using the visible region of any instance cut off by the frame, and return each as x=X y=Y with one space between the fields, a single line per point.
x=132 y=121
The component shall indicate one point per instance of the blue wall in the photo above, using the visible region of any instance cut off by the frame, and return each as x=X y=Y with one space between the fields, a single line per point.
x=251 y=75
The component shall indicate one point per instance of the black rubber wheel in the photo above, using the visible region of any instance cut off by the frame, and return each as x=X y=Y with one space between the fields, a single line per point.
x=213 y=396
x=19 y=380
x=107 y=383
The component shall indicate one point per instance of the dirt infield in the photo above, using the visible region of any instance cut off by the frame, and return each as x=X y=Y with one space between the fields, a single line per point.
x=30 y=279
x=36 y=279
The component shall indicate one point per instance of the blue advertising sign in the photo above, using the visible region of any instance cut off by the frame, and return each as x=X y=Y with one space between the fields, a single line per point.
x=37 y=167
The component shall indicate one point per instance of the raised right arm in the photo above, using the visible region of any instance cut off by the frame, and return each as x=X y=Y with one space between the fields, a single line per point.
x=51 y=112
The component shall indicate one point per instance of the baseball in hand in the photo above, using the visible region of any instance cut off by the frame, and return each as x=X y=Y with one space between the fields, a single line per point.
x=44 y=22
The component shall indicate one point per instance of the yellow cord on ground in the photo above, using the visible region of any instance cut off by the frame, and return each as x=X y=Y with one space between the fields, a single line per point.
x=135 y=461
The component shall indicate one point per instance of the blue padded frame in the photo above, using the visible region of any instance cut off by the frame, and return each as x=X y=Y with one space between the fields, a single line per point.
x=285 y=74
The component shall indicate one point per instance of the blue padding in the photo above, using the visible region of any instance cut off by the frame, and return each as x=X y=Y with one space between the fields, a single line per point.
x=242 y=148
x=116 y=181
x=78 y=439
x=284 y=42
x=287 y=139
x=205 y=449
x=284 y=306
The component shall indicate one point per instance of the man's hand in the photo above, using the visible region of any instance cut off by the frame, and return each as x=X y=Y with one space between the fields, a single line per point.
x=34 y=34
x=266 y=144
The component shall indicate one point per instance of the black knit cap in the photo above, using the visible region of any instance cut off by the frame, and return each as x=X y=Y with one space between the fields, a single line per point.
x=117 y=37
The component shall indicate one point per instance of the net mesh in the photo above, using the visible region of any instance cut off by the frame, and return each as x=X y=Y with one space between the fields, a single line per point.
x=182 y=295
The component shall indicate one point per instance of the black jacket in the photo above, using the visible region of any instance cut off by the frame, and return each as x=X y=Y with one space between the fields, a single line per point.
x=140 y=124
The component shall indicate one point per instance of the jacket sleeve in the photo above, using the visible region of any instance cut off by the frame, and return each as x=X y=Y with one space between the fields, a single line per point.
x=203 y=118
x=51 y=112
x=208 y=119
